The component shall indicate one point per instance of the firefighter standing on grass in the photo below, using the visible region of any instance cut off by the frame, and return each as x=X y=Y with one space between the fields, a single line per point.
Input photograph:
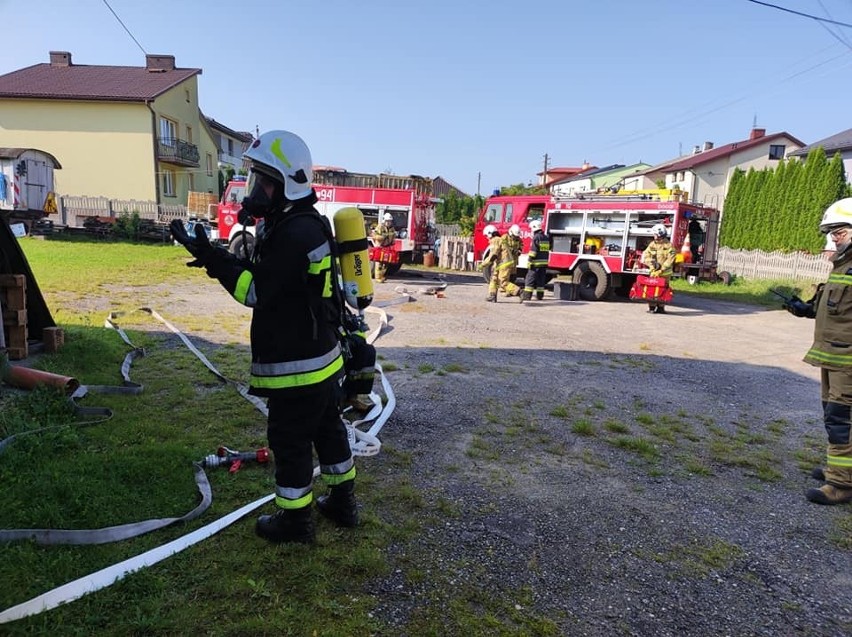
x=296 y=359
x=832 y=352
x=659 y=256
x=384 y=236
x=538 y=257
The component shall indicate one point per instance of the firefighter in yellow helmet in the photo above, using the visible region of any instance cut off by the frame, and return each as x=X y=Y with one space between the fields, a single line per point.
x=296 y=358
x=832 y=352
x=659 y=256
x=384 y=236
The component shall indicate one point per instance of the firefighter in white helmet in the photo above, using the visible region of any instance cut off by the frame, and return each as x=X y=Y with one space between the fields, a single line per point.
x=537 y=259
x=831 y=306
x=515 y=245
x=296 y=359
x=493 y=258
x=384 y=236
x=659 y=256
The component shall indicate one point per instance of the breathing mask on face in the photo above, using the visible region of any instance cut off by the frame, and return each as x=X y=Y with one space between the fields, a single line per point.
x=265 y=195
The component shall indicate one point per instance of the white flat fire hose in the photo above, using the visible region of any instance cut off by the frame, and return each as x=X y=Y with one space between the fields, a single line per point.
x=363 y=443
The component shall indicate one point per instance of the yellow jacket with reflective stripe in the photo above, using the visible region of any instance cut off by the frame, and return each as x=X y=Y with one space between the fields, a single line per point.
x=832 y=347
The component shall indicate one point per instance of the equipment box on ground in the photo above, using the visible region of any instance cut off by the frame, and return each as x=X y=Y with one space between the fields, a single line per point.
x=565 y=291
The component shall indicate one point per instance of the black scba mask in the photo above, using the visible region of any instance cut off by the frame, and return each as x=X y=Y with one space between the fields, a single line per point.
x=258 y=203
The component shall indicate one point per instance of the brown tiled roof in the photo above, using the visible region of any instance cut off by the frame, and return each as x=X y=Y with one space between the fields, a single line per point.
x=90 y=82
x=723 y=151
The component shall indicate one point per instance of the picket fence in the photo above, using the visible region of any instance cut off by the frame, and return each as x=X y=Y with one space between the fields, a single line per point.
x=757 y=264
x=73 y=210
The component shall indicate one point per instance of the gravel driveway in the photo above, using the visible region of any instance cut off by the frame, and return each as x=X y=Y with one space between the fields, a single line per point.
x=614 y=471
x=592 y=469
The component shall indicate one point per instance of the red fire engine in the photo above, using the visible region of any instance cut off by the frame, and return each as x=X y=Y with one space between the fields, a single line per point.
x=597 y=240
x=407 y=198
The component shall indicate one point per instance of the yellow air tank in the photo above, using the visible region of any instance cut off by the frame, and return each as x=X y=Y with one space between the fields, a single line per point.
x=352 y=245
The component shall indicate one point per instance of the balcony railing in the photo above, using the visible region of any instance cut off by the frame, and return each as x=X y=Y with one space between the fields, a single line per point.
x=177 y=151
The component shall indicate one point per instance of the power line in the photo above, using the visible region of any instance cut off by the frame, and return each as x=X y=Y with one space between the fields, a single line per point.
x=125 y=28
x=799 y=13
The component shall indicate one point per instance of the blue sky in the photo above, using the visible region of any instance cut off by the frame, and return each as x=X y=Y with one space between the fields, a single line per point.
x=476 y=91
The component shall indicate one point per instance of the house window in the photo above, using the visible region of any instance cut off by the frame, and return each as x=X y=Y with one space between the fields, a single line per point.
x=189 y=134
x=209 y=165
x=191 y=182
x=231 y=147
x=187 y=95
x=168 y=132
x=776 y=151
x=169 y=183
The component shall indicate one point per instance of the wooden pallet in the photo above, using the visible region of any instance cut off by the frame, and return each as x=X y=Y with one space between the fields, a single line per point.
x=13 y=297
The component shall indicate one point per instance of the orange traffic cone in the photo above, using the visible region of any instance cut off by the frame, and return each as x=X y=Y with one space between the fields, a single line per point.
x=686 y=250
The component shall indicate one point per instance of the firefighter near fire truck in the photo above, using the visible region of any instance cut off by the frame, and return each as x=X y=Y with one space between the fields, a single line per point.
x=384 y=236
x=538 y=255
x=660 y=257
x=831 y=307
x=297 y=361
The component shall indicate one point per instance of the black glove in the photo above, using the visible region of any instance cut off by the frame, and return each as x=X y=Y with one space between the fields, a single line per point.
x=198 y=246
x=797 y=307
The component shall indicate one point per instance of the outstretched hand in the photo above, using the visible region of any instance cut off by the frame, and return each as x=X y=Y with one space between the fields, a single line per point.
x=198 y=246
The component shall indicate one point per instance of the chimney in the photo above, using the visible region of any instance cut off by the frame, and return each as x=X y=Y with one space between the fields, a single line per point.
x=60 y=58
x=757 y=133
x=696 y=149
x=160 y=63
x=708 y=145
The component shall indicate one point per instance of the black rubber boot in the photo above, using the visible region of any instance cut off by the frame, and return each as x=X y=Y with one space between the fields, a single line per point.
x=492 y=298
x=287 y=525
x=339 y=505
x=830 y=494
x=818 y=474
x=539 y=295
x=526 y=296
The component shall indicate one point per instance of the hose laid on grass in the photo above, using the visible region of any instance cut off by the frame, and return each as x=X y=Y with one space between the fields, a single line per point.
x=364 y=444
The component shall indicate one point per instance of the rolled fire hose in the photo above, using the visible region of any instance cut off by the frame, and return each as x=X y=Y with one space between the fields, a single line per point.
x=365 y=443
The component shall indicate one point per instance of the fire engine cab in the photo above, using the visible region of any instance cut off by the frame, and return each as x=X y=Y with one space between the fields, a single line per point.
x=597 y=240
x=407 y=198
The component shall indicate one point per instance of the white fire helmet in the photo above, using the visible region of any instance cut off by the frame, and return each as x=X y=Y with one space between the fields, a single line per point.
x=388 y=217
x=515 y=230
x=659 y=230
x=836 y=216
x=489 y=230
x=286 y=155
x=535 y=225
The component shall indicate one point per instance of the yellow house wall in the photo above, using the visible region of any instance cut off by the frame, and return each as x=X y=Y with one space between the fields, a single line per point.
x=180 y=105
x=105 y=149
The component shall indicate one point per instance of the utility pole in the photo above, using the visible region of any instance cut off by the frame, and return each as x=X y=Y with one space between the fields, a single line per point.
x=544 y=178
x=478 y=182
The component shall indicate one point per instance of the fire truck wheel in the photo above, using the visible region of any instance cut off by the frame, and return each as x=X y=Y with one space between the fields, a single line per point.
x=242 y=245
x=725 y=277
x=593 y=281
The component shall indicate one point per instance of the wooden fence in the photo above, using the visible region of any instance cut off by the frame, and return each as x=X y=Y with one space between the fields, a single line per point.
x=757 y=264
x=453 y=253
x=73 y=210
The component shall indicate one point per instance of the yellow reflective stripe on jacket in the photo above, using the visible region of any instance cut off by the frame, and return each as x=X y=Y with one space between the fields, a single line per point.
x=297 y=379
x=818 y=356
x=839 y=461
x=844 y=279
x=241 y=291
